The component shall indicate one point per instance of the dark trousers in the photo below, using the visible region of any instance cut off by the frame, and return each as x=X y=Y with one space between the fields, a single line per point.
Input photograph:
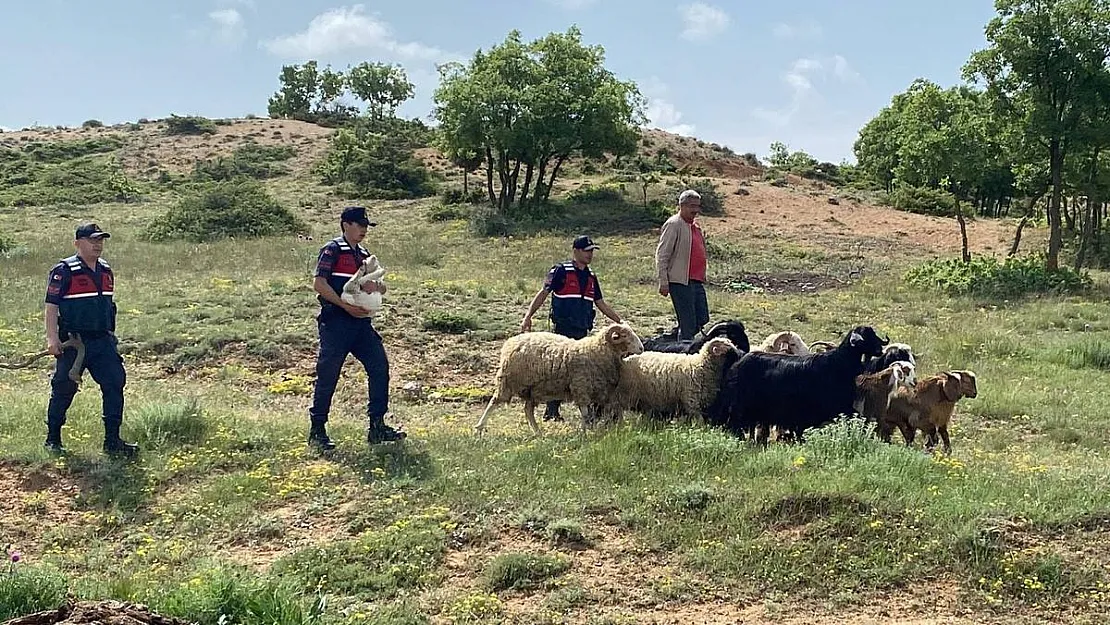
x=691 y=307
x=104 y=364
x=552 y=409
x=341 y=334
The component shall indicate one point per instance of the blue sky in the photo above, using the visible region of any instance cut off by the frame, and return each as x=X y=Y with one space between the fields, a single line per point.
x=742 y=73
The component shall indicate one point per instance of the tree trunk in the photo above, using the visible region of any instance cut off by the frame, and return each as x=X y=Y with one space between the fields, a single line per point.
x=527 y=183
x=1068 y=210
x=965 y=254
x=513 y=177
x=489 y=177
x=466 y=190
x=1086 y=221
x=1055 y=238
x=554 y=172
x=1024 y=220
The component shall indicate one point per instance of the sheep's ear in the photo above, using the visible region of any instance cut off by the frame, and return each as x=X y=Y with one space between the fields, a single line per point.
x=951 y=388
x=615 y=335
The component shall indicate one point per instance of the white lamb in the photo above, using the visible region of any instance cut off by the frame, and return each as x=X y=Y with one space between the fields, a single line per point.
x=785 y=342
x=661 y=383
x=353 y=293
x=543 y=366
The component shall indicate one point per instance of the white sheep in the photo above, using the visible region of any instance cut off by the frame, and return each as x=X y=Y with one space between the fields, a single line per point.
x=540 y=367
x=787 y=342
x=665 y=383
x=370 y=271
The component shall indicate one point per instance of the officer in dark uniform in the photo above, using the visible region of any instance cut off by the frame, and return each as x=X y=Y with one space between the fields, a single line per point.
x=575 y=291
x=343 y=332
x=79 y=303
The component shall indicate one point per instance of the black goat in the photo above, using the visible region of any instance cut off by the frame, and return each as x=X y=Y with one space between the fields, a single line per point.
x=892 y=353
x=732 y=330
x=793 y=392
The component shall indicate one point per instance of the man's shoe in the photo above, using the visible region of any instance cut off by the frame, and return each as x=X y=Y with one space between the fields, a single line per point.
x=54 y=447
x=318 y=437
x=120 y=447
x=383 y=434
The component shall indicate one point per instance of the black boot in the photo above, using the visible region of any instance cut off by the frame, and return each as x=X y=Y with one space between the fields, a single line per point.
x=53 y=442
x=379 y=432
x=113 y=444
x=318 y=437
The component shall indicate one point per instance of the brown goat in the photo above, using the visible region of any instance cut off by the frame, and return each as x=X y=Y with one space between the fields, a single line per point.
x=928 y=407
x=875 y=390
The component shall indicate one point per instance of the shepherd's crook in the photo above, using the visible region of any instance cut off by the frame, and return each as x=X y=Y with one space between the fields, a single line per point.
x=74 y=371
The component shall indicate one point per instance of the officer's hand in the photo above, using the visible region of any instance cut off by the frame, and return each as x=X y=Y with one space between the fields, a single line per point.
x=374 y=287
x=665 y=290
x=526 y=325
x=54 y=346
x=356 y=311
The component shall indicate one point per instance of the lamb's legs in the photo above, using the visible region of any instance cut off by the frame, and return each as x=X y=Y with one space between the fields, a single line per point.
x=480 y=427
x=530 y=414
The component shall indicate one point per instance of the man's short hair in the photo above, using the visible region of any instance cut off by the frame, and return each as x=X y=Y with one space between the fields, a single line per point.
x=687 y=195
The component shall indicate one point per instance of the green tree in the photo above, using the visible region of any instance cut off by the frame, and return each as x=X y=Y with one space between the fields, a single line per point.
x=310 y=94
x=1045 y=64
x=383 y=87
x=527 y=107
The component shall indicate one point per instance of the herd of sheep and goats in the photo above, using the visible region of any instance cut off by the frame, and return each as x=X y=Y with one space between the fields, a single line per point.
x=781 y=384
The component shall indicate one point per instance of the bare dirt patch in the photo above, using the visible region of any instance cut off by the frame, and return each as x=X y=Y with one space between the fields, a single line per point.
x=34 y=498
x=804 y=215
x=777 y=284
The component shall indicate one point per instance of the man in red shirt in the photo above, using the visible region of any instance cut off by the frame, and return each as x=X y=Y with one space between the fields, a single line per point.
x=680 y=265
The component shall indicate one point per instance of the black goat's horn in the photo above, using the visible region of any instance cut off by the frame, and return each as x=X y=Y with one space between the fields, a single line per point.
x=886 y=340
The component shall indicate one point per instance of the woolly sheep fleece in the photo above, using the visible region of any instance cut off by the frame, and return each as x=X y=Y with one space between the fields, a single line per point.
x=665 y=382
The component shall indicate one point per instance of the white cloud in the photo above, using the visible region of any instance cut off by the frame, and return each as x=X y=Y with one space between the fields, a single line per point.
x=228 y=24
x=660 y=111
x=6 y=129
x=800 y=78
x=346 y=29
x=702 y=21
x=806 y=30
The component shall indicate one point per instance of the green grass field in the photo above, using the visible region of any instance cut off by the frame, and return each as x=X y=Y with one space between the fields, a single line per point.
x=228 y=517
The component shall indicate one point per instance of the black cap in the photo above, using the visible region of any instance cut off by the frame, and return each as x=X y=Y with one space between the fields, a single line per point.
x=356 y=214
x=585 y=243
x=90 y=231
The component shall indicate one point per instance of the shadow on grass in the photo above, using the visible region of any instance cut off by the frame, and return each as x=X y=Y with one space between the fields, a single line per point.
x=610 y=218
x=405 y=461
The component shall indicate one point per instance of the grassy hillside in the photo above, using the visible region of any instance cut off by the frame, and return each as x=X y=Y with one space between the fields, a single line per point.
x=228 y=515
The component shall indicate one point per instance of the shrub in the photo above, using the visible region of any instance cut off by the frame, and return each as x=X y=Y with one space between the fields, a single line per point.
x=524 y=570
x=924 y=201
x=455 y=195
x=240 y=208
x=30 y=589
x=712 y=202
x=447 y=212
x=7 y=243
x=62 y=151
x=1016 y=276
x=88 y=180
x=250 y=160
x=364 y=164
x=449 y=323
x=92 y=123
x=589 y=193
x=189 y=125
